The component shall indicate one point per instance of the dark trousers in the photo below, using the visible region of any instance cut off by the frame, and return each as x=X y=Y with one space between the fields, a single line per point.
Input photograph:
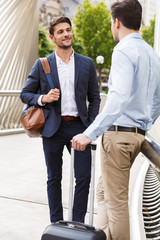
x=53 y=150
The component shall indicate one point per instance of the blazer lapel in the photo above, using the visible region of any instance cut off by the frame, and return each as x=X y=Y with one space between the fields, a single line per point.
x=77 y=66
x=54 y=72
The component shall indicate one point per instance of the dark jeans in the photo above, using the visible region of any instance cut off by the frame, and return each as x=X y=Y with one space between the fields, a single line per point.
x=53 y=150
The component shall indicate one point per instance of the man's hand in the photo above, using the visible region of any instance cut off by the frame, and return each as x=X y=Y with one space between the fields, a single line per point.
x=80 y=141
x=51 y=96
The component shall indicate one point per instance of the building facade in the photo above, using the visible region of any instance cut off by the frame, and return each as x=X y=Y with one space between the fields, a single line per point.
x=54 y=8
x=149 y=10
x=48 y=10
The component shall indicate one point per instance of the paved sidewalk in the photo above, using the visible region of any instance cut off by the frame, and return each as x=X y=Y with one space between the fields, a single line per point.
x=23 y=200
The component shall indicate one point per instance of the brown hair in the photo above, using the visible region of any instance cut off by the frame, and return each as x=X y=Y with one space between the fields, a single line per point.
x=57 y=20
x=129 y=12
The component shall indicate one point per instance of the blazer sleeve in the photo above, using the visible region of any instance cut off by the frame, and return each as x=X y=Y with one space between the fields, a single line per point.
x=31 y=90
x=93 y=93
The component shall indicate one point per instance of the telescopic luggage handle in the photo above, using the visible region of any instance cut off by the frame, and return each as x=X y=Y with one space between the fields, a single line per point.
x=92 y=183
x=93 y=145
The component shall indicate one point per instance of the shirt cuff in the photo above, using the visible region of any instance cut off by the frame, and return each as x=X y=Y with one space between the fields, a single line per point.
x=40 y=101
x=91 y=134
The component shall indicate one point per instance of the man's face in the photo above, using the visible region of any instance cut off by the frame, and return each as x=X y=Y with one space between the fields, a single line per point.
x=63 y=36
x=114 y=30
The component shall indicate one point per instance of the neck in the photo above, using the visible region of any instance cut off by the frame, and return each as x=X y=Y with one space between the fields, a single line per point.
x=126 y=32
x=64 y=54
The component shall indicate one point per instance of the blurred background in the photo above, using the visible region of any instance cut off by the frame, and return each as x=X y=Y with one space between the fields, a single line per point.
x=24 y=37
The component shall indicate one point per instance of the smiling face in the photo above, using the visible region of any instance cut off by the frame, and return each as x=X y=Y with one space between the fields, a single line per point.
x=62 y=36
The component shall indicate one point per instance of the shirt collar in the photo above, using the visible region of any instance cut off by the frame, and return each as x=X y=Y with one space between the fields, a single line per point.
x=129 y=36
x=59 y=60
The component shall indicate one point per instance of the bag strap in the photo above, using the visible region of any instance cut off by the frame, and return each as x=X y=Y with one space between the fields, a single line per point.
x=47 y=70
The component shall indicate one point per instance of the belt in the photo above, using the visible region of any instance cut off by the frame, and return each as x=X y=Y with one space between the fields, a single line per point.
x=127 y=129
x=70 y=118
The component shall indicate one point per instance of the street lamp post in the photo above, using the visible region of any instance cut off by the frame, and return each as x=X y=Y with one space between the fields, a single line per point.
x=100 y=61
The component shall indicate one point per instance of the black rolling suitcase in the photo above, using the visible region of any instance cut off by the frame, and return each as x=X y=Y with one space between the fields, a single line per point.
x=70 y=230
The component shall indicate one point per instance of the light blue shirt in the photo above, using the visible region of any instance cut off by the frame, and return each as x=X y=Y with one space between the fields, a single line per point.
x=134 y=88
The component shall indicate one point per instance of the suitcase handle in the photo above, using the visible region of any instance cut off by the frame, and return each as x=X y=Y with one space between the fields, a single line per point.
x=77 y=225
x=92 y=145
x=91 y=205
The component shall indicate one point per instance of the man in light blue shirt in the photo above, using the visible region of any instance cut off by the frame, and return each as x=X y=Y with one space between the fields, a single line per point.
x=132 y=106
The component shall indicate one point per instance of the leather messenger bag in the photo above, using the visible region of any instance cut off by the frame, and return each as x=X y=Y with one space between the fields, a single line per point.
x=32 y=118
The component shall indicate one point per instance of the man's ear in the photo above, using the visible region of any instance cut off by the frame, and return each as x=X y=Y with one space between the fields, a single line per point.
x=118 y=23
x=51 y=37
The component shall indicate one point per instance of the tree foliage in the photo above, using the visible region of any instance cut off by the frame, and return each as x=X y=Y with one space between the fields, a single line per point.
x=45 y=46
x=93 y=31
x=148 y=32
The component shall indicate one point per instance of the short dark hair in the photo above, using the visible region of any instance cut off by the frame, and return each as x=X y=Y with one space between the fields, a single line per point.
x=57 y=20
x=129 y=12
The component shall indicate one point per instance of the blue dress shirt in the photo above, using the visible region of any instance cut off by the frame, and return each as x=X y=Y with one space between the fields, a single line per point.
x=134 y=88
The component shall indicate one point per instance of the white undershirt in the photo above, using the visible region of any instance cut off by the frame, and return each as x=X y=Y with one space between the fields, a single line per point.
x=66 y=74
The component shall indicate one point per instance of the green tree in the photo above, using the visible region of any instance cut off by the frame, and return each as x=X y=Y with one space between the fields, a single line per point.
x=45 y=46
x=93 y=31
x=77 y=44
x=148 y=32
